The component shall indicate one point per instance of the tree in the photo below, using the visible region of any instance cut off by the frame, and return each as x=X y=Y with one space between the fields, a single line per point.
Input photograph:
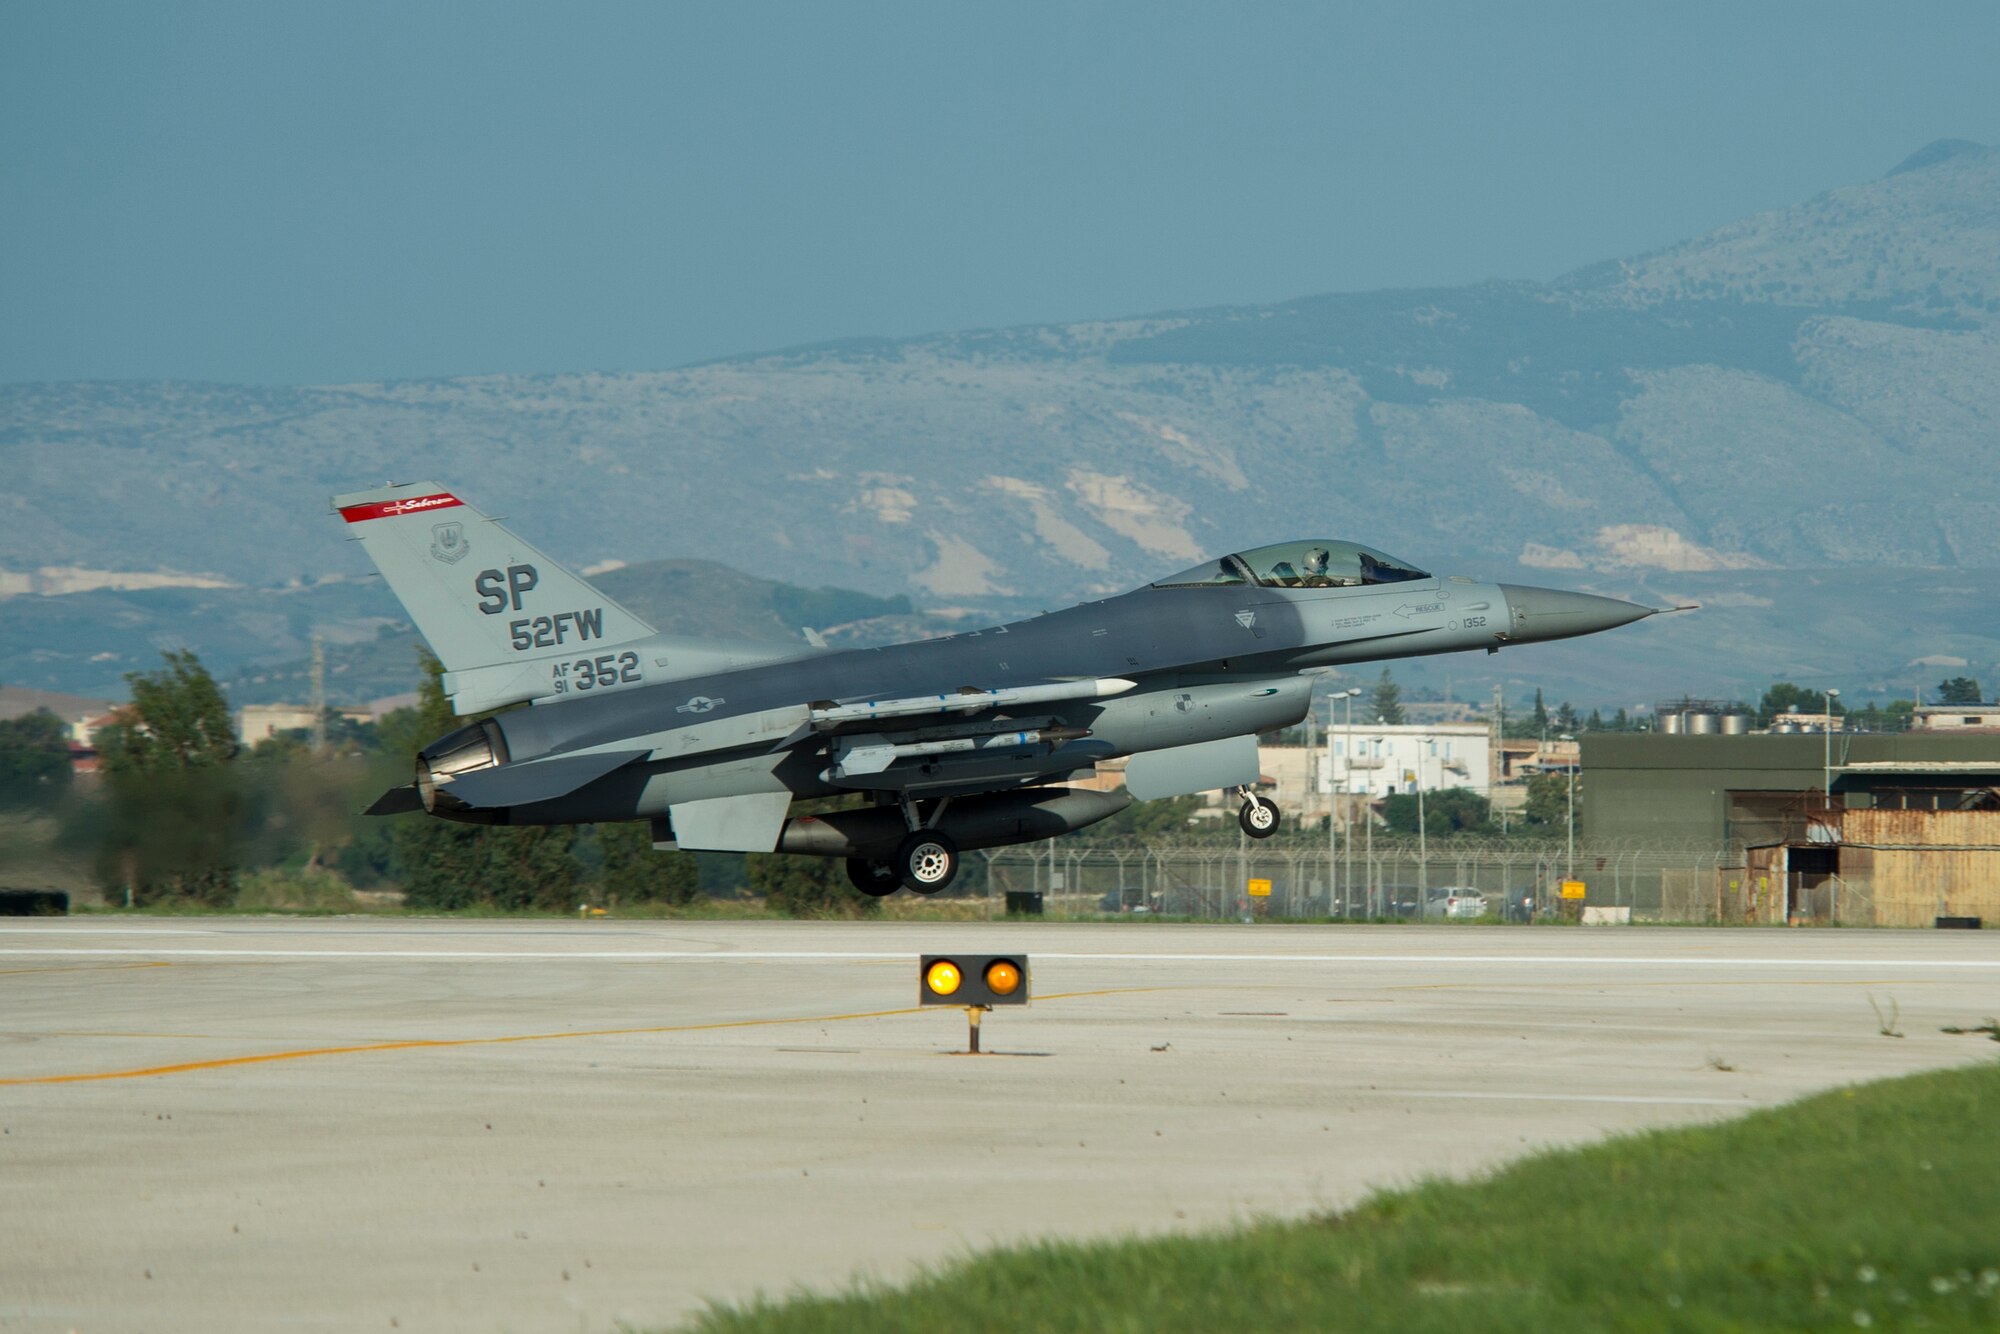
x=807 y=886
x=1785 y=697
x=1958 y=690
x=1565 y=719
x=1386 y=700
x=1594 y=723
x=34 y=760
x=529 y=867
x=178 y=720
x=634 y=873
x=1547 y=809
x=1450 y=810
x=444 y=864
x=1147 y=822
x=1541 y=716
x=176 y=810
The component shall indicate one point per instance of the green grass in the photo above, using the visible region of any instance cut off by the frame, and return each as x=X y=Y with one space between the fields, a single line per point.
x=1876 y=1206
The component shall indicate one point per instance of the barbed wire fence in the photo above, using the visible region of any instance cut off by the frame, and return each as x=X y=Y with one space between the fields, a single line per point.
x=1399 y=878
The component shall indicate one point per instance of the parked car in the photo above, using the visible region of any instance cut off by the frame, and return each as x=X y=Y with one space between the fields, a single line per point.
x=1129 y=899
x=1455 y=902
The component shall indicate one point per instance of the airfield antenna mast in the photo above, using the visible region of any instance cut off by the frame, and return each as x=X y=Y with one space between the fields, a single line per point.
x=318 y=694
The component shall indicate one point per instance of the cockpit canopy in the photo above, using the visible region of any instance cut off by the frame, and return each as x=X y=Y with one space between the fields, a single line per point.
x=1309 y=563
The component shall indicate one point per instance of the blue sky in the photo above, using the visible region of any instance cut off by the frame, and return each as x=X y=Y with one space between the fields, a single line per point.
x=317 y=193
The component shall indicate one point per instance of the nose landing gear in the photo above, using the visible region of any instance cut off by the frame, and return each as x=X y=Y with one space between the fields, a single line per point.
x=1259 y=816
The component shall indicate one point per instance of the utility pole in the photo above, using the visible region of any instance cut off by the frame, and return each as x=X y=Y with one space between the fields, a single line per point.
x=1423 y=843
x=1332 y=863
x=1347 y=807
x=1496 y=757
x=1574 y=764
x=318 y=694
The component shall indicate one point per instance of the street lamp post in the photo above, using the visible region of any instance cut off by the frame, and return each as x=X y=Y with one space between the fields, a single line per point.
x=1423 y=843
x=1826 y=733
x=1347 y=807
x=1570 y=822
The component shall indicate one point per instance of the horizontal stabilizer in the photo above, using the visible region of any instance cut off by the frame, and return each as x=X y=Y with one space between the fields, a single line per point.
x=535 y=780
x=397 y=801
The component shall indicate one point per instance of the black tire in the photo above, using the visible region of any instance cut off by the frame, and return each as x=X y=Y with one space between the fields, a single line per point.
x=878 y=880
x=927 y=861
x=1259 y=818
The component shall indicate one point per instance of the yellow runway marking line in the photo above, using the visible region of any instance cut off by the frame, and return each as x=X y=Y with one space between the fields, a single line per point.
x=413 y=1044
x=87 y=968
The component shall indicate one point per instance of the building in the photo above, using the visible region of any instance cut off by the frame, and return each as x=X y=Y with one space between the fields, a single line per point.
x=260 y=722
x=1807 y=721
x=81 y=717
x=1381 y=759
x=1956 y=718
x=1288 y=775
x=1890 y=829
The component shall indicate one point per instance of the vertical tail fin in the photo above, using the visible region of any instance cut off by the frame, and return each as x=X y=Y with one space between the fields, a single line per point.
x=479 y=595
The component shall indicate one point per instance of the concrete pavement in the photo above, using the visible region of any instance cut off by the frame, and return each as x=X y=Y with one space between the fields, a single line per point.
x=250 y=1124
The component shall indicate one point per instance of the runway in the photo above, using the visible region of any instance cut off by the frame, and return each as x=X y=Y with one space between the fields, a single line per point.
x=254 y=1124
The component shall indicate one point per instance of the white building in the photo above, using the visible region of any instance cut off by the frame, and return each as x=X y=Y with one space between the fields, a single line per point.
x=259 y=722
x=1378 y=759
x=1955 y=718
x=1289 y=776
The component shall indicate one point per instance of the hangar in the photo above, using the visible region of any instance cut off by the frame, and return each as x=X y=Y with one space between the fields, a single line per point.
x=1886 y=829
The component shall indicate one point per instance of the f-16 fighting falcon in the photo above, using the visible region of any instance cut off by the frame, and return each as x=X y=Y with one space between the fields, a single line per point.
x=956 y=743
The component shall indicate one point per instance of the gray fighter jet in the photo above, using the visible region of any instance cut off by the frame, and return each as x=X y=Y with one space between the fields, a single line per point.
x=956 y=743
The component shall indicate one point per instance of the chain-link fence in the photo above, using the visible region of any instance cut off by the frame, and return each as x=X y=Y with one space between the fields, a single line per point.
x=1294 y=878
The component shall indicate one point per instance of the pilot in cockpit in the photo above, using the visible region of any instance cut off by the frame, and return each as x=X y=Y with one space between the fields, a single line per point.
x=1315 y=571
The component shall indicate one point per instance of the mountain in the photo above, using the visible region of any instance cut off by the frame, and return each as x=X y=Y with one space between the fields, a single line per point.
x=1812 y=389
x=257 y=640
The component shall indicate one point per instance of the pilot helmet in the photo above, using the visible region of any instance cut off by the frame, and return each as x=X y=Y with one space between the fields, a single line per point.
x=1316 y=560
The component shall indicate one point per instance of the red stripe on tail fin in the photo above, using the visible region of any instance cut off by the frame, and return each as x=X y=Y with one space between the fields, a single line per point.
x=389 y=509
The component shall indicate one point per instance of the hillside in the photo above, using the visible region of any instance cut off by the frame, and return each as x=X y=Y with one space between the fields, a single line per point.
x=1811 y=389
x=256 y=640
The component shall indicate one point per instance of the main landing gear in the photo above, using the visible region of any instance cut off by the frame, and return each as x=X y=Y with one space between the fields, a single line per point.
x=1259 y=816
x=878 y=880
x=925 y=862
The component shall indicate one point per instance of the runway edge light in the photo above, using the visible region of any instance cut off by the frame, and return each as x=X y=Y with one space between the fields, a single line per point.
x=972 y=979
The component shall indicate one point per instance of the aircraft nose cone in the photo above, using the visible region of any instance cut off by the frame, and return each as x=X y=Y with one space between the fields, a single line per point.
x=1554 y=613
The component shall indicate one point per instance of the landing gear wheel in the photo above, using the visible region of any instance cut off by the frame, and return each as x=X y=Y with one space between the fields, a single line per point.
x=1258 y=817
x=927 y=861
x=876 y=879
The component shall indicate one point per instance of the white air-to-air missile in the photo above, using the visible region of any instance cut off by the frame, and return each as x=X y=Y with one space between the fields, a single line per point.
x=955 y=743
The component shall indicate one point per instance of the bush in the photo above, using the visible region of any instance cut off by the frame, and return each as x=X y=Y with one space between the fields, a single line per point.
x=634 y=873
x=311 y=890
x=807 y=886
